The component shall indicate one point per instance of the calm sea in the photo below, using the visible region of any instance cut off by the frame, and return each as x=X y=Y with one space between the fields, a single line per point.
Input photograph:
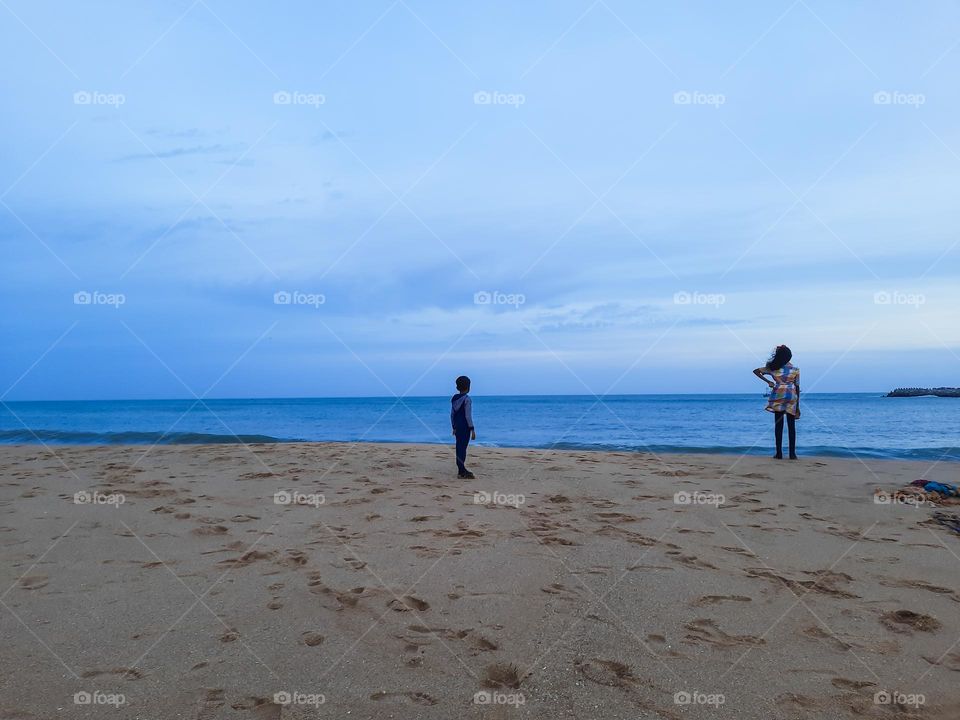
x=847 y=425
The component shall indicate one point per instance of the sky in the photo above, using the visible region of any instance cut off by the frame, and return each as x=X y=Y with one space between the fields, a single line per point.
x=202 y=198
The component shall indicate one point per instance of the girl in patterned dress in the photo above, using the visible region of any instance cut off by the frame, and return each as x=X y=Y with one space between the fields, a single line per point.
x=784 y=396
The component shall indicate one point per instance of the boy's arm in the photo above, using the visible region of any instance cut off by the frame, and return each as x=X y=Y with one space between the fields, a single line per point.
x=468 y=412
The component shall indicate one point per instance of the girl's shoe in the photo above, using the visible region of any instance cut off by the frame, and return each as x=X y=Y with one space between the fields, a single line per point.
x=778 y=456
x=794 y=456
x=467 y=476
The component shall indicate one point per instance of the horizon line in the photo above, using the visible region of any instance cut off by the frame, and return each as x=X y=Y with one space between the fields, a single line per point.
x=425 y=397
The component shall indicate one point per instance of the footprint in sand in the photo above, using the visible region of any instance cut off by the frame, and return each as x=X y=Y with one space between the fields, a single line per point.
x=412 y=651
x=124 y=673
x=293 y=558
x=249 y=557
x=690 y=560
x=33 y=582
x=559 y=589
x=615 y=517
x=824 y=581
x=922 y=585
x=501 y=675
x=658 y=644
x=210 y=704
x=312 y=639
x=417 y=698
x=854 y=685
x=244 y=518
x=607 y=672
x=481 y=644
x=950 y=661
x=715 y=599
x=210 y=530
x=903 y=621
x=408 y=603
x=445 y=633
x=261 y=707
x=343 y=599
x=707 y=631
x=737 y=550
x=156 y=564
x=629 y=536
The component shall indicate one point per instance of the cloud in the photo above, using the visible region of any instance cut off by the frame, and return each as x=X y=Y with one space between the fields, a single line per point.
x=180 y=152
x=185 y=134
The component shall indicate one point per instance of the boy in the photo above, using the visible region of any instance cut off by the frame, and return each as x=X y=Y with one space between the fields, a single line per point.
x=461 y=418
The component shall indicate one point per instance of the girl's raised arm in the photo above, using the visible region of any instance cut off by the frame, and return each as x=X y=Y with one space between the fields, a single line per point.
x=760 y=372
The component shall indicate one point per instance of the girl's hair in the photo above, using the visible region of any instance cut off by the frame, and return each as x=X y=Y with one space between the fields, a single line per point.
x=780 y=357
x=463 y=383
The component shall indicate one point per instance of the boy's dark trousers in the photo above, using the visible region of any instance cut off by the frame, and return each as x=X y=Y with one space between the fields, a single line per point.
x=463 y=439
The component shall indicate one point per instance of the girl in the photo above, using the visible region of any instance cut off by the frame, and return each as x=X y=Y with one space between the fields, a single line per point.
x=784 y=396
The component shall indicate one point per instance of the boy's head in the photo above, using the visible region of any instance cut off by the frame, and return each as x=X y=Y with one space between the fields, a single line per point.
x=463 y=384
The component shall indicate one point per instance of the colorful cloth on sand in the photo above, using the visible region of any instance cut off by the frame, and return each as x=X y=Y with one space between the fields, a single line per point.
x=942 y=488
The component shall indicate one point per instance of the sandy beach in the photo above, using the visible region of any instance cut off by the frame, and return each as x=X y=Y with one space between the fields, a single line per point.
x=366 y=581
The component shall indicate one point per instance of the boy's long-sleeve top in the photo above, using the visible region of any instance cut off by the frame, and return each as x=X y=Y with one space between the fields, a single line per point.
x=461 y=405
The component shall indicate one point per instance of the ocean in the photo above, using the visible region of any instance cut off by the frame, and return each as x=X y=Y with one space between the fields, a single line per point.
x=865 y=425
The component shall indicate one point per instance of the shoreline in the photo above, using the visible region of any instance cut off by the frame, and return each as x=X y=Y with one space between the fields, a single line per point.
x=920 y=455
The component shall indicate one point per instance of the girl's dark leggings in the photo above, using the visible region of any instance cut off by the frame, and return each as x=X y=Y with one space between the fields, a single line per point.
x=791 y=431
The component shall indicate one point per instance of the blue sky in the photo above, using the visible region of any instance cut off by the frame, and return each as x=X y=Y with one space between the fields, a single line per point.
x=650 y=196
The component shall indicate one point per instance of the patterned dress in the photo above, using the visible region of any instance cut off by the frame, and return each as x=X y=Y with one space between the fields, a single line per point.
x=783 y=395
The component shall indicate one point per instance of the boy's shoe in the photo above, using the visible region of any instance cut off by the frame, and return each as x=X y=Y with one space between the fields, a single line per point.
x=467 y=476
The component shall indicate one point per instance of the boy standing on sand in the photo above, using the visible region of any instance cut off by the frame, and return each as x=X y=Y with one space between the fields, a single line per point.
x=461 y=418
